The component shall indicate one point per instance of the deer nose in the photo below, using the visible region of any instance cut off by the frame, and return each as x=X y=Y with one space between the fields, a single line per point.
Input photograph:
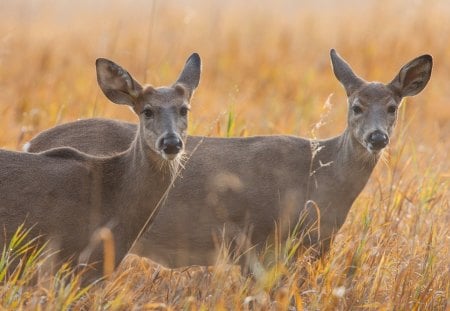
x=170 y=144
x=378 y=140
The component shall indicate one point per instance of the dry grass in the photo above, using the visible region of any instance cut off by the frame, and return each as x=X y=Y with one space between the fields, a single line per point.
x=266 y=70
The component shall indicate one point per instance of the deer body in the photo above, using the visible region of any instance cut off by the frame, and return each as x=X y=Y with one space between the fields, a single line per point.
x=245 y=186
x=67 y=195
x=227 y=195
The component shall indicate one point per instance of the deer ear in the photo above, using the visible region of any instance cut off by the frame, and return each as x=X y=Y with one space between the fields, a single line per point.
x=344 y=73
x=190 y=76
x=116 y=83
x=413 y=77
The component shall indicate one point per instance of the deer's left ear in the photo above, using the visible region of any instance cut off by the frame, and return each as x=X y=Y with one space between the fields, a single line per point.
x=413 y=77
x=190 y=76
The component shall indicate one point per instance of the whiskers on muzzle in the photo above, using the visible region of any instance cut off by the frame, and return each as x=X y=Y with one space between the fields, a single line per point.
x=174 y=166
x=369 y=156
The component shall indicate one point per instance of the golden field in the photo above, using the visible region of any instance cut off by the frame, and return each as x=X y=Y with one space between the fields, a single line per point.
x=266 y=70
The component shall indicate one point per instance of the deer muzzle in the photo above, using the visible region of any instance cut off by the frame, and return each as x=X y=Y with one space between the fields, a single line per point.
x=170 y=146
x=377 y=140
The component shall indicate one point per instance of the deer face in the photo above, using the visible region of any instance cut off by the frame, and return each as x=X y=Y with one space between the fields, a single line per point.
x=162 y=111
x=373 y=106
x=372 y=115
x=163 y=114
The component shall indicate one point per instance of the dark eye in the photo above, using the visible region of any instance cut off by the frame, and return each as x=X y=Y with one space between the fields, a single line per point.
x=392 y=109
x=357 y=109
x=148 y=113
x=183 y=111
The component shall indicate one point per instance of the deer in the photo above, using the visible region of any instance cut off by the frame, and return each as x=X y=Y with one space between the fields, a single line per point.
x=66 y=196
x=243 y=188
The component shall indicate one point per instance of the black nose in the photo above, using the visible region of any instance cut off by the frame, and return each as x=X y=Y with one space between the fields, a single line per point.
x=170 y=144
x=378 y=140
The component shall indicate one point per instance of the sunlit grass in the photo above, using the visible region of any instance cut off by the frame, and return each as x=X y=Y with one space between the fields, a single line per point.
x=266 y=70
x=24 y=283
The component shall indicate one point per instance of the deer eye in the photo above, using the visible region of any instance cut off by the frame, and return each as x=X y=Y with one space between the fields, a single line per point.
x=392 y=109
x=148 y=113
x=183 y=111
x=357 y=109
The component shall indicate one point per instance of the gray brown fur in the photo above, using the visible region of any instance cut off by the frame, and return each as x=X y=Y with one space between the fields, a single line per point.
x=66 y=195
x=240 y=183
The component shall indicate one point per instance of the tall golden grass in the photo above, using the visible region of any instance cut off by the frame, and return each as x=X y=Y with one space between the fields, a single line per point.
x=266 y=70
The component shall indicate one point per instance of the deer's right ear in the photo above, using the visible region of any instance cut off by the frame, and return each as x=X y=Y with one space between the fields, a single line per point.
x=116 y=83
x=190 y=76
x=344 y=73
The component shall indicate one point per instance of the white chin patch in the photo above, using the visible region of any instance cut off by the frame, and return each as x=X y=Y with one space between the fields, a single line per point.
x=170 y=157
x=372 y=150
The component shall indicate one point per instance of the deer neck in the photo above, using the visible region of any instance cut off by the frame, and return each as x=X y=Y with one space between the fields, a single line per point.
x=353 y=159
x=341 y=169
x=133 y=183
x=351 y=165
x=146 y=174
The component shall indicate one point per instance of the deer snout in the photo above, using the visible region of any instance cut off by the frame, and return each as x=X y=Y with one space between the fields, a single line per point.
x=170 y=145
x=377 y=140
